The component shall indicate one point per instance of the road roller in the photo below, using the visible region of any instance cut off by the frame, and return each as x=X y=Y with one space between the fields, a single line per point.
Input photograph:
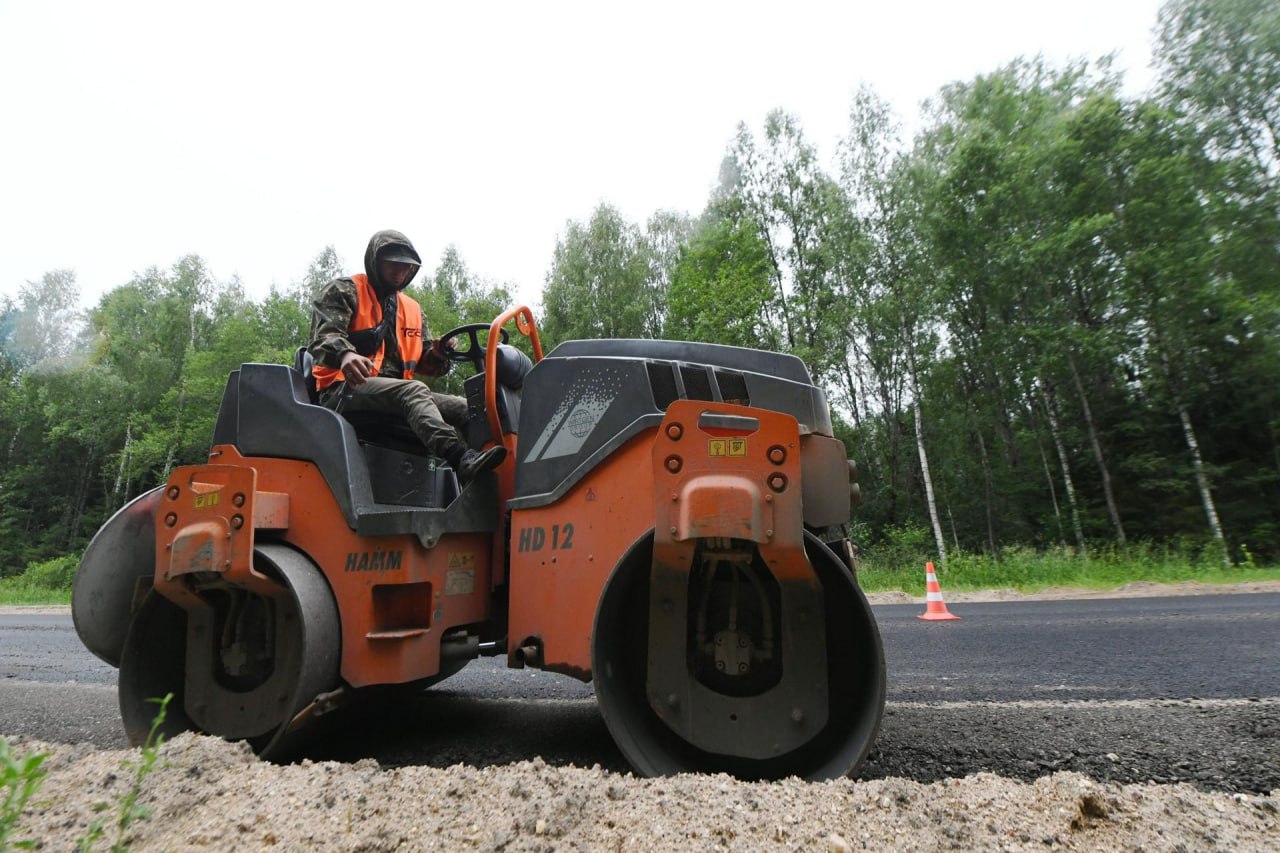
x=670 y=524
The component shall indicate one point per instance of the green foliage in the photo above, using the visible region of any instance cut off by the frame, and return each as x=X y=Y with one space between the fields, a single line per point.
x=87 y=429
x=42 y=582
x=455 y=296
x=20 y=778
x=1220 y=63
x=55 y=574
x=606 y=280
x=1023 y=569
x=901 y=545
x=802 y=217
x=721 y=289
x=128 y=810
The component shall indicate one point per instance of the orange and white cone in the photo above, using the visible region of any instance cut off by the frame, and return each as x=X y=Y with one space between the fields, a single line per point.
x=935 y=609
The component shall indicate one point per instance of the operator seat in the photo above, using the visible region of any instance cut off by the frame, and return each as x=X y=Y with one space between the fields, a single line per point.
x=512 y=368
x=372 y=427
x=391 y=431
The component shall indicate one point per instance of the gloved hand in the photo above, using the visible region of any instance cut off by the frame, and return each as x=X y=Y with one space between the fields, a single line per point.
x=435 y=361
x=356 y=368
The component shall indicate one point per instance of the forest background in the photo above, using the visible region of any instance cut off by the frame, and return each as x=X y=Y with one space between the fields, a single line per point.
x=1048 y=324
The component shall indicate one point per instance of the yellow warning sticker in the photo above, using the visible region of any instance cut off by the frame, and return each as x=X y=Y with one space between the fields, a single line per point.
x=727 y=447
x=462 y=560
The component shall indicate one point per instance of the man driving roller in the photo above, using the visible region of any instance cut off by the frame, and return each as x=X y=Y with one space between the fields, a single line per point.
x=367 y=339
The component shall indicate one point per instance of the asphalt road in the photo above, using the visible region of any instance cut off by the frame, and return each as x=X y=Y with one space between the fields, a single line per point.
x=1141 y=689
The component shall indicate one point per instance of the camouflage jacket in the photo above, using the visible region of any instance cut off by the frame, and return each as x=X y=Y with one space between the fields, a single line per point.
x=333 y=309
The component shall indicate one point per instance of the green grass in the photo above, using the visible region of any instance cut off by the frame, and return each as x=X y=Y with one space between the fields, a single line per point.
x=899 y=567
x=42 y=583
x=1029 y=571
x=12 y=593
x=20 y=778
x=128 y=810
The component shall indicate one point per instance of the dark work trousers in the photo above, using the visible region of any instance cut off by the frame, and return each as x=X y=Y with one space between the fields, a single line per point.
x=431 y=415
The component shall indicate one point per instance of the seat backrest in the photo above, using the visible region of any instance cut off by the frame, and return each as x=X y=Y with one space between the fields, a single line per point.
x=303 y=362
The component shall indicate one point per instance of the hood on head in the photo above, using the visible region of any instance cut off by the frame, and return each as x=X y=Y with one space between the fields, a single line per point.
x=387 y=245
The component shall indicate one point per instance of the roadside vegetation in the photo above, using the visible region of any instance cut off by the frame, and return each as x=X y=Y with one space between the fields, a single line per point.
x=46 y=582
x=897 y=564
x=901 y=567
x=22 y=776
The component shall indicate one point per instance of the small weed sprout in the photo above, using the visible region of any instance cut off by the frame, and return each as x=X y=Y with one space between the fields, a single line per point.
x=19 y=778
x=129 y=810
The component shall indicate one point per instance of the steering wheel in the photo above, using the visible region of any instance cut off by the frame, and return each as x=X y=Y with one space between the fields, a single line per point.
x=475 y=350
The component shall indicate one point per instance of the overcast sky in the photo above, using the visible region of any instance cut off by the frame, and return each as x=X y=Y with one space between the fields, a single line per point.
x=256 y=133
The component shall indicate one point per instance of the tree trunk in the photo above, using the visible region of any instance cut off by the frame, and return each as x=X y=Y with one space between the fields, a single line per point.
x=893 y=430
x=78 y=501
x=928 y=482
x=1275 y=438
x=857 y=383
x=170 y=457
x=1202 y=482
x=782 y=291
x=1060 y=448
x=1197 y=461
x=1096 y=443
x=116 y=499
x=924 y=457
x=1053 y=494
x=855 y=394
x=955 y=538
x=987 y=487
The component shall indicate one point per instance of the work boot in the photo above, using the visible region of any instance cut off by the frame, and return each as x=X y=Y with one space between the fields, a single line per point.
x=474 y=464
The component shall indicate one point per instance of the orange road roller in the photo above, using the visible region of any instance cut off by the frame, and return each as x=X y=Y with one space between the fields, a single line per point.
x=670 y=524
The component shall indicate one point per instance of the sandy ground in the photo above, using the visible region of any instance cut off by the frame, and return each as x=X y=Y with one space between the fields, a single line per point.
x=211 y=795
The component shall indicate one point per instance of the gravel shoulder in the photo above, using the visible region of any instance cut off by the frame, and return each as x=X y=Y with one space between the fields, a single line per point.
x=209 y=794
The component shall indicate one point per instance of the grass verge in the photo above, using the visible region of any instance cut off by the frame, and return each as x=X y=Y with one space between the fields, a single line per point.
x=42 y=583
x=1029 y=571
x=1018 y=568
x=29 y=596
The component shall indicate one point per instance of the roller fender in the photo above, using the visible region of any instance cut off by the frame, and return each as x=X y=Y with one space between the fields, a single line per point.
x=114 y=576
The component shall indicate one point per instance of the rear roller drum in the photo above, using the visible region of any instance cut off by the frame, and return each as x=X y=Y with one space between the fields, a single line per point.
x=743 y=655
x=240 y=665
x=114 y=576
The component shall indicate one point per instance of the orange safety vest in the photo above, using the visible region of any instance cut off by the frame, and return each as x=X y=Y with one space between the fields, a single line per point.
x=368 y=315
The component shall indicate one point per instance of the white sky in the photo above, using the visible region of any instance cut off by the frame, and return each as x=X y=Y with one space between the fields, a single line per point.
x=255 y=133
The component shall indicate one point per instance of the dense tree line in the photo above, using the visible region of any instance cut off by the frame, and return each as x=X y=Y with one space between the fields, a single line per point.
x=1050 y=319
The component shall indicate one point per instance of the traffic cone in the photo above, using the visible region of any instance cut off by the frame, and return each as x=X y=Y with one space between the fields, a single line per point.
x=935 y=609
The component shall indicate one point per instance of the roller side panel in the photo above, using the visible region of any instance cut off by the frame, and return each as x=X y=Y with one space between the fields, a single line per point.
x=395 y=597
x=562 y=555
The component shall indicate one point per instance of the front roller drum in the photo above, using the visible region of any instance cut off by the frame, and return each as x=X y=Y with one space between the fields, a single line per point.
x=240 y=665
x=743 y=609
